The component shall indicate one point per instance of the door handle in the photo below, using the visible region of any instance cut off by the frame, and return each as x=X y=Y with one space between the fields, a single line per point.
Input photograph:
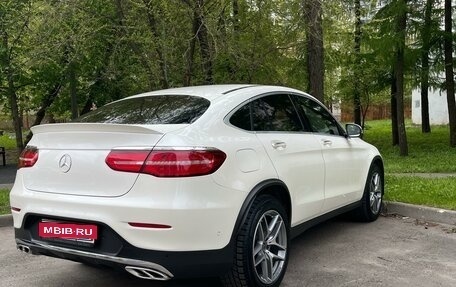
x=327 y=142
x=278 y=144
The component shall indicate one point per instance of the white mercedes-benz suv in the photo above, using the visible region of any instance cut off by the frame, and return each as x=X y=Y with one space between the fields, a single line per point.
x=194 y=181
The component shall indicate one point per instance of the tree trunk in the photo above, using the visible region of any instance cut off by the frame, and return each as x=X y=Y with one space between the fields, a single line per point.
x=449 y=75
x=13 y=101
x=203 y=39
x=45 y=103
x=200 y=32
x=425 y=34
x=315 y=60
x=87 y=106
x=399 y=69
x=235 y=43
x=159 y=50
x=99 y=78
x=236 y=27
x=137 y=49
x=357 y=66
x=191 y=53
x=394 y=130
x=73 y=89
x=364 y=113
x=11 y=91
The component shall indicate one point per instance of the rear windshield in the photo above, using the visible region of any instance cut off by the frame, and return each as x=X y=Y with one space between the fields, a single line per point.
x=152 y=110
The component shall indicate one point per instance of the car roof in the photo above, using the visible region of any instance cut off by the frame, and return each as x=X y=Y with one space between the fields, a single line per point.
x=215 y=92
x=209 y=92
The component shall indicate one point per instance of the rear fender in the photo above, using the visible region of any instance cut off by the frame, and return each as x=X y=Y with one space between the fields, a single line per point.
x=263 y=187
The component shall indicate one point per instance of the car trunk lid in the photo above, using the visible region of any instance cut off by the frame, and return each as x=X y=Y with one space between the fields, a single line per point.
x=71 y=157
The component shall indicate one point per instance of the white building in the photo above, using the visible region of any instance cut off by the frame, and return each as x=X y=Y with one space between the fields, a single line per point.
x=438 y=108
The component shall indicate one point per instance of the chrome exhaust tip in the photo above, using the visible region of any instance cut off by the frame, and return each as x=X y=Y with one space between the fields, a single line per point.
x=147 y=273
x=23 y=248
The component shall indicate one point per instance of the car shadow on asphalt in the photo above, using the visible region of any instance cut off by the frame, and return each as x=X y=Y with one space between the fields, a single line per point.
x=309 y=238
x=323 y=232
x=106 y=276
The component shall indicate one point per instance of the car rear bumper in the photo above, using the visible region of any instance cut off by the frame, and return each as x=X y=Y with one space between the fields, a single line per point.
x=38 y=248
x=198 y=243
x=116 y=252
x=201 y=215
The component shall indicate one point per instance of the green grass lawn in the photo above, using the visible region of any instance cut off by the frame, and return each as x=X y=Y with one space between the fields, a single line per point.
x=427 y=152
x=435 y=192
x=4 y=201
x=7 y=142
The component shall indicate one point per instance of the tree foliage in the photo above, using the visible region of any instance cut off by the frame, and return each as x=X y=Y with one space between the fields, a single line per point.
x=59 y=59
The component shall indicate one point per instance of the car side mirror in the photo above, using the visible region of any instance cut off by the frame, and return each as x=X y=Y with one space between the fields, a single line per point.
x=354 y=130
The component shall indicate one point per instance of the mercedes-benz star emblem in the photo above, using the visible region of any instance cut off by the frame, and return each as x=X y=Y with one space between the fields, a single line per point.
x=65 y=163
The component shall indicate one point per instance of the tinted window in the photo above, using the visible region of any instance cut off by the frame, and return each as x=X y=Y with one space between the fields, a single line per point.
x=169 y=109
x=319 y=119
x=275 y=113
x=241 y=118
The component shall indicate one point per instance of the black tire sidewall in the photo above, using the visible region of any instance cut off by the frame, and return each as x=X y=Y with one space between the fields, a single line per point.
x=370 y=216
x=261 y=205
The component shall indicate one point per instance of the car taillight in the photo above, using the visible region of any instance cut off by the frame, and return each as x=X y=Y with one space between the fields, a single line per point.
x=177 y=163
x=28 y=157
x=167 y=162
x=127 y=160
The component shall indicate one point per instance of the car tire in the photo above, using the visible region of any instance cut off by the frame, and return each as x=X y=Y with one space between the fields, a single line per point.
x=261 y=246
x=372 y=200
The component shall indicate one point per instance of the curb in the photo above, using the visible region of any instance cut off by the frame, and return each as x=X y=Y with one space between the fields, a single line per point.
x=6 y=220
x=420 y=212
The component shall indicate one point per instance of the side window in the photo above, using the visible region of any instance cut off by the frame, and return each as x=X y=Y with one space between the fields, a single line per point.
x=241 y=118
x=319 y=119
x=275 y=113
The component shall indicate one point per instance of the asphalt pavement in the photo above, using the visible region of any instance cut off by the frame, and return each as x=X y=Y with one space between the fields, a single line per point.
x=393 y=251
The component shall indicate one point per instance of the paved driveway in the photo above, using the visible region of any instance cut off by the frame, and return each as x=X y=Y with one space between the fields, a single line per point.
x=389 y=252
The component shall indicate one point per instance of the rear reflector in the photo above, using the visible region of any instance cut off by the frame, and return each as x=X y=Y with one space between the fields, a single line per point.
x=28 y=157
x=149 y=225
x=167 y=163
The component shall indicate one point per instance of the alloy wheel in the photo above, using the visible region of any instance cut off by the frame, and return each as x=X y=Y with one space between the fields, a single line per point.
x=375 y=193
x=269 y=247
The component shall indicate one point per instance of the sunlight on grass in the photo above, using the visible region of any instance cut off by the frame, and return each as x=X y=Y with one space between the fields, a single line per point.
x=4 y=201
x=436 y=192
x=7 y=142
x=427 y=152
